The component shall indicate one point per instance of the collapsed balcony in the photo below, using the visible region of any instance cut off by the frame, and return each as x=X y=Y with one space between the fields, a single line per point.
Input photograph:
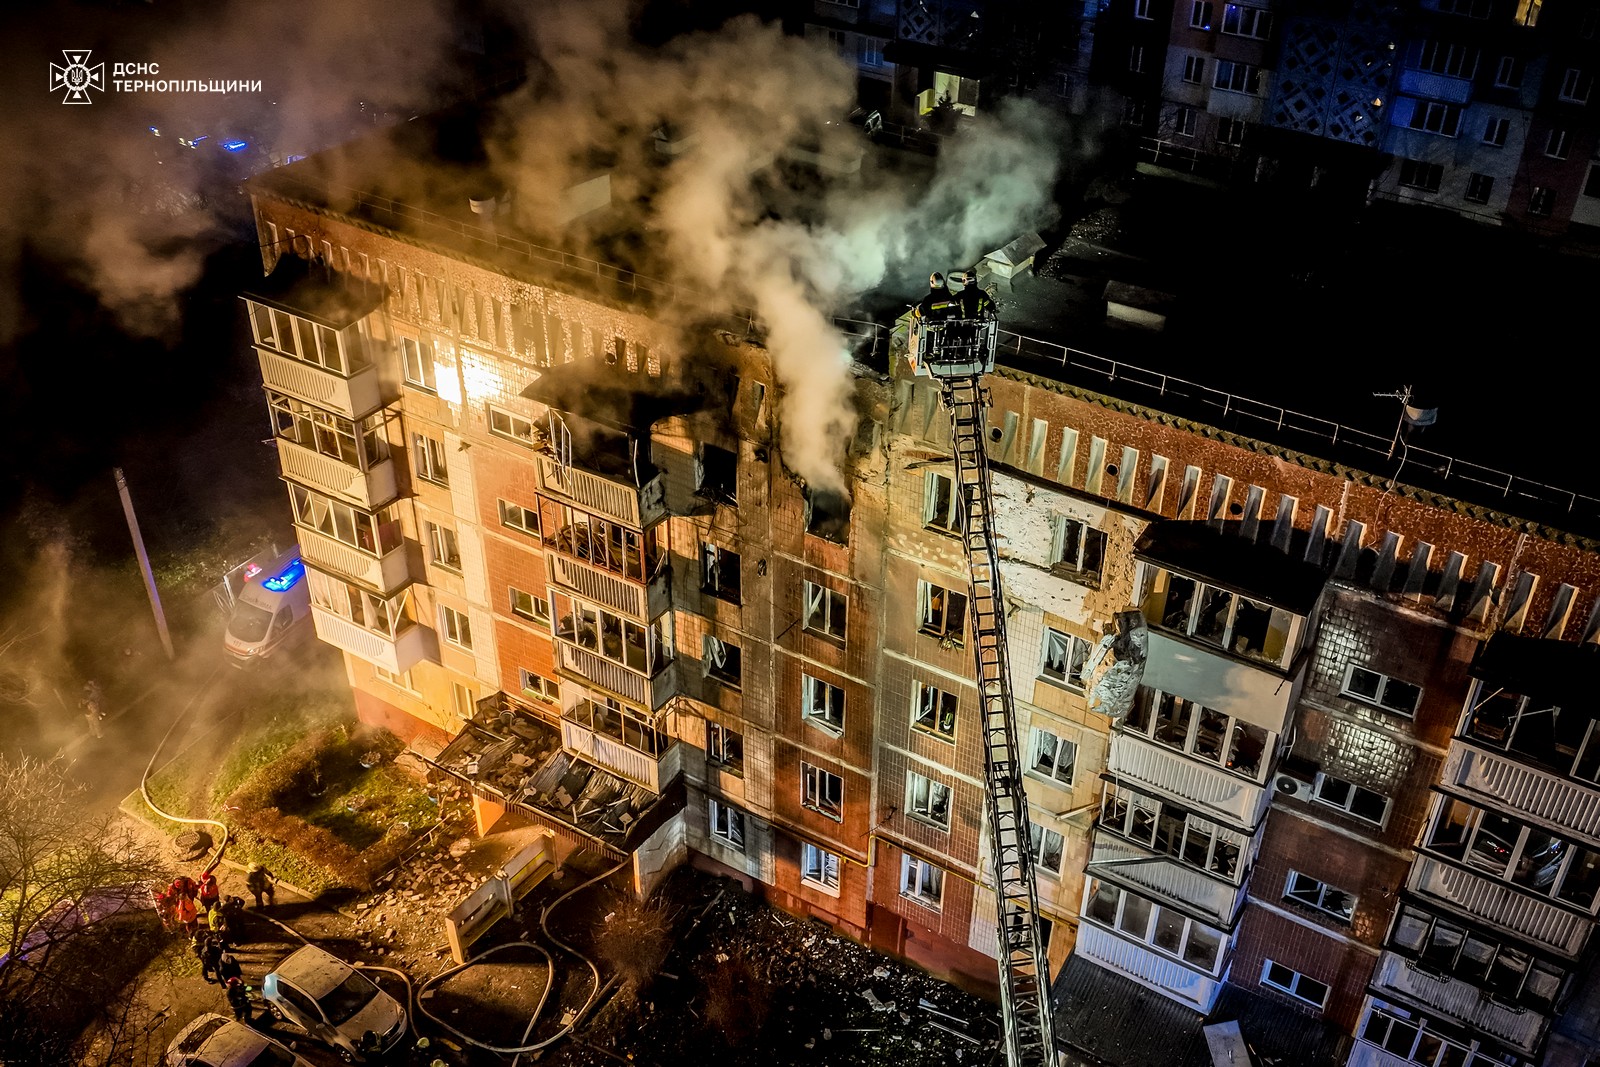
x=508 y=757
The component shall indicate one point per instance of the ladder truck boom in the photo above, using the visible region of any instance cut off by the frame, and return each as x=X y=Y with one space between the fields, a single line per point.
x=954 y=341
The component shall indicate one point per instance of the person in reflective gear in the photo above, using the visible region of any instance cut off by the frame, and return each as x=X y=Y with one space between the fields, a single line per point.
x=938 y=304
x=239 y=1000
x=973 y=302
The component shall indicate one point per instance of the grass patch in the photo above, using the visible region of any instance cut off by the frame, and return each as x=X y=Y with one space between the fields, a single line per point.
x=372 y=804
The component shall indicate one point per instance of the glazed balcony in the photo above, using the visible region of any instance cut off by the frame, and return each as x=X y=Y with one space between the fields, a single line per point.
x=1252 y=692
x=370 y=488
x=387 y=571
x=1149 y=968
x=619 y=743
x=1516 y=786
x=1196 y=784
x=614 y=497
x=353 y=395
x=1160 y=875
x=395 y=653
x=1462 y=1001
x=580 y=663
x=1499 y=905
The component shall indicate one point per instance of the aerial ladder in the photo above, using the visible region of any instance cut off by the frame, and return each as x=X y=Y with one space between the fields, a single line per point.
x=957 y=352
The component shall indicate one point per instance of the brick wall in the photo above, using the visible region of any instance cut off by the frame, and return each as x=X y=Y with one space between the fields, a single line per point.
x=1345 y=968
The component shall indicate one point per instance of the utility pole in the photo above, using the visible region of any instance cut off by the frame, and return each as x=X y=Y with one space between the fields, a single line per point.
x=144 y=563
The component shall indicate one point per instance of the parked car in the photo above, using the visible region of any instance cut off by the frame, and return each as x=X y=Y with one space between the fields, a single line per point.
x=215 y=1041
x=335 y=1004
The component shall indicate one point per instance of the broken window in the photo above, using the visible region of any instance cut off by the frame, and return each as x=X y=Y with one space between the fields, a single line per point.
x=1046 y=846
x=1358 y=801
x=1304 y=889
x=828 y=515
x=825 y=611
x=1380 y=690
x=819 y=867
x=716 y=473
x=723 y=660
x=727 y=824
x=725 y=748
x=1053 y=757
x=719 y=572
x=1065 y=657
x=821 y=703
x=922 y=882
x=933 y=711
x=927 y=800
x=942 y=613
x=1079 y=547
x=822 y=791
x=941 y=508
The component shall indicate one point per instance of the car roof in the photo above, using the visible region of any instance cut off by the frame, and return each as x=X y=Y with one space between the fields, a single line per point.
x=213 y=1039
x=313 y=971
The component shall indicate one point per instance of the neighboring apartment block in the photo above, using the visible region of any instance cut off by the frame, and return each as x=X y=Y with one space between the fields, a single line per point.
x=558 y=545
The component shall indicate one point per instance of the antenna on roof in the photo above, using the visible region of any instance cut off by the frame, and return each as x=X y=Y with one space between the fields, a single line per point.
x=1411 y=414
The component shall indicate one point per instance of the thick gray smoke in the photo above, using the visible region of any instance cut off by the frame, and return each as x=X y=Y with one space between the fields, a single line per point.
x=746 y=98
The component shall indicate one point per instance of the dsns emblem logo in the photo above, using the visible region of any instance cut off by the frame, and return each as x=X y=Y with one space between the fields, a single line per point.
x=77 y=77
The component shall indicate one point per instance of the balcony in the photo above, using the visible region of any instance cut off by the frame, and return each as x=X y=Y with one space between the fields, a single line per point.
x=620 y=501
x=1162 y=973
x=1498 y=904
x=1212 y=789
x=1213 y=679
x=586 y=666
x=354 y=397
x=1461 y=1001
x=1365 y=1055
x=1517 y=787
x=1435 y=86
x=368 y=489
x=1124 y=861
x=611 y=754
x=395 y=654
x=383 y=573
x=641 y=601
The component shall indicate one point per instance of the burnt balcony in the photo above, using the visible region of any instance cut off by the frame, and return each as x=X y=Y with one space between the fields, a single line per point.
x=1522 y=1028
x=612 y=494
x=613 y=566
x=629 y=659
x=1499 y=905
x=623 y=742
x=1197 y=785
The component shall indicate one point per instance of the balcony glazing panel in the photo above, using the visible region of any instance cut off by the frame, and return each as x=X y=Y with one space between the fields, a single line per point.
x=1366 y=1055
x=1461 y=1001
x=1223 y=683
x=367 y=489
x=1500 y=905
x=352 y=397
x=1161 y=973
x=398 y=654
x=1425 y=83
x=642 y=602
x=615 y=678
x=636 y=506
x=608 y=754
x=1125 y=861
x=1526 y=790
x=383 y=573
x=1210 y=788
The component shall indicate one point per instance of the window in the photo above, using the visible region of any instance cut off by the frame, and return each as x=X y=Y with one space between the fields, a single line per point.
x=1046 y=847
x=442 y=548
x=1472 y=9
x=921 y=881
x=1501 y=971
x=1431 y=116
x=1194 y=69
x=1423 y=176
x=1240 y=747
x=927 y=801
x=1230 y=132
x=871 y=52
x=1413 y=1041
x=517 y=517
x=1245 y=21
x=822 y=791
x=417 y=359
x=1215 y=616
x=515 y=427
x=1297 y=985
x=1542 y=201
x=1591 y=185
x=1079 y=547
x=1160 y=927
x=1447 y=58
x=724 y=661
x=1495 y=132
x=1391 y=694
x=941 y=507
x=941 y=613
x=1134 y=112
x=719 y=572
x=359 y=445
x=1141 y=9
x=1303 y=889
x=1528 y=12
x=535 y=685
x=725 y=748
x=717 y=474
x=1053 y=757
x=825 y=611
x=428 y=458
x=1526 y=856
x=1558 y=144
x=1065 y=657
x=530 y=607
x=1236 y=77
x=819 y=868
x=727 y=824
x=828 y=514
x=821 y=703
x=1200 y=14
x=1479 y=188
x=456 y=627
x=399 y=681
x=1167 y=829
x=1363 y=803
x=1508 y=72
x=1136 y=59
x=1183 y=122
x=933 y=711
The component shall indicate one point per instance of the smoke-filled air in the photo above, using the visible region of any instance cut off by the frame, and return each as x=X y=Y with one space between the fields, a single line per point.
x=738 y=101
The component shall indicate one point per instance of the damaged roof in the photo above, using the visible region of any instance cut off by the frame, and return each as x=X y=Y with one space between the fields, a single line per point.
x=619 y=399
x=1562 y=672
x=1258 y=571
x=314 y=292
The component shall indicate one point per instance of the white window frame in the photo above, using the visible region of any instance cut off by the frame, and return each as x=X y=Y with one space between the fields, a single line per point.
x=1235 y=77
x=1291 y=988
x=1060 y=750
x=726 y=824
x=1576 y=86
x=1480 y=188
x=1314 y=893
x=429 y=460
x=1072 y=653
x=1148 y=935
x=1251 y=22
x=516 y=517
x=933 y=613
x=1436 y=117
x=1183 y=122
x=400 y=681
x=1039 y=843
x=1231 y=132
x=444 y=550
x=1129 y=813
x=455 y=627
x=1508 y=73
x=1542 y=201
x=1496 y=132
x=1201 y=12
x=713 y=559
x=821 y=791
x=1136 y=59
x=921 y=882
x=925 y=798
x=1323 y=781
x=931 y=708
x=510 y=426
x=1194 y=70
x=1141 y=9
x=538 y=686
x=1449 y=59
x=1558 y=143
x=725 y=748
x=1077 y=540
x=1380 y=690
x=822 y=704
x=946 y=518
x=1149 y=706
x=417 y=363
x=524 y=605
x=826 y=611
x=819 y=868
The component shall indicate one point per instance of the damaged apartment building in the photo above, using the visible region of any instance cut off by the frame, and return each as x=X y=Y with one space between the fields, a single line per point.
x=560 y=550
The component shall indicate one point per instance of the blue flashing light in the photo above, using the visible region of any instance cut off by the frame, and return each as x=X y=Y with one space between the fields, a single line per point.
x=284 y=580
x=235 y=146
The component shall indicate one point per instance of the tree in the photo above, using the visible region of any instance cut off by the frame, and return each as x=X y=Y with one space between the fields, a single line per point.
x=74 y=900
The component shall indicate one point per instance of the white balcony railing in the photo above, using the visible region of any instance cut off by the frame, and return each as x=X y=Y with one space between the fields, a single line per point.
x=650 y=693
x=396 y=655
x=368 y=489
x=627 y=504
x=1461 y=1001
x=612 y=755
x=1147 y=967
x=1520 y=788
x=1500 y=905
x=354 y=397
x=1365 y=1055
x=387 y=572
x=1212 y=788
x=643 y=602
x=1164 y=877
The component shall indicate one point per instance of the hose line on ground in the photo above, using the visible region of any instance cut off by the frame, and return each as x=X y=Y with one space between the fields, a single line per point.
x=144 y=779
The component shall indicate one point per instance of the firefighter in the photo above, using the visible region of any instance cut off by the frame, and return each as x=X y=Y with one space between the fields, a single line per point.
x=972 y=300
x=260 y=882
x=938 y=304
x=206 y=892
x=185 y=913
x=238 y=999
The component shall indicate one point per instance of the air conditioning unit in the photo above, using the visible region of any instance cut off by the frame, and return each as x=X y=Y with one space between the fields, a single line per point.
x=1292 y=788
